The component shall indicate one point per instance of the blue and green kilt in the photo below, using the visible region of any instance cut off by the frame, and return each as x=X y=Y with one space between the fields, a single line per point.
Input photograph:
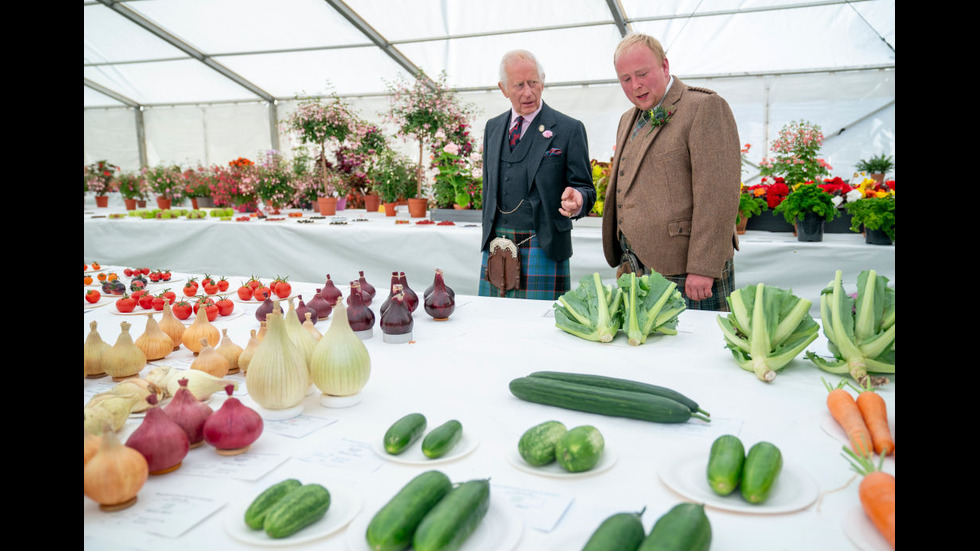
x=541 y=277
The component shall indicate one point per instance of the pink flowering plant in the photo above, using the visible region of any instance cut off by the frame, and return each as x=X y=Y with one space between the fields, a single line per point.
x=322 y=123
x=274 y=180
x=132 y=185
x=235 y=185
x=167 y=181
x=796 y=154
x=100 y=177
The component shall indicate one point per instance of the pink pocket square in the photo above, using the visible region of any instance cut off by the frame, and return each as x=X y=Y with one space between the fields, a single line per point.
x=554 y=151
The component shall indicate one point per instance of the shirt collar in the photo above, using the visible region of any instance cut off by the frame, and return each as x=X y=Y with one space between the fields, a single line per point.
x=527 y=119
x=669 y=84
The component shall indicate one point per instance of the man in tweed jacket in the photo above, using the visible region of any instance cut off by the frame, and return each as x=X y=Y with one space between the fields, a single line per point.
x=672 y=196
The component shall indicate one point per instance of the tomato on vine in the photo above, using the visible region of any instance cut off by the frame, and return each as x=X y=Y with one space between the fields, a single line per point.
x=182 y=309
x=225 y=306
x=125 y=304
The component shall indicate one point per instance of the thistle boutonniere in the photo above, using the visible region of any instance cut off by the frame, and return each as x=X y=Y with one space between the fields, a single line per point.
x=660 y=116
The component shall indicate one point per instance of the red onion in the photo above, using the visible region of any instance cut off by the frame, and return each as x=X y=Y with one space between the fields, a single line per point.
x=162 y=441
x=439 y=303
x=391 y=292
x=411 y=299
x=234 y=427
x=360 y=317
x=320 y=305
x=366 y=288
x=267 y=306
x=189 y=413
x=429 y=289
x=396 y=321
x=330 y=292
x=302 y=309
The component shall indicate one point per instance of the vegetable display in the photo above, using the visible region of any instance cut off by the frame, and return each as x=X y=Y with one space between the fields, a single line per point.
x=877 y=494
x=651 y=304
x=287 y=507
x=860 y=332
x=845 y=411
x=591 y=310
x=579 y=449
x=394 y=525
x=766 y=328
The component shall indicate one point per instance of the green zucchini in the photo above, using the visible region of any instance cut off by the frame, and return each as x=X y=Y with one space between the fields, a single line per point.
x=299 y=509
x=448 y=525
x=580 y=449
x=537 y=444
x=619 y=532
x=442 y=439
x=403 y=432
x=255 y=514
x=762 y=466
x=392 y=527
x=683 y=528
x=604 y=401
x=725 y=463
x=621 y=384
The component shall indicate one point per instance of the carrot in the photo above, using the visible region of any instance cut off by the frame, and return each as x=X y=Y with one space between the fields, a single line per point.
x=877 y=494
x=875 y=416
x=847 y=414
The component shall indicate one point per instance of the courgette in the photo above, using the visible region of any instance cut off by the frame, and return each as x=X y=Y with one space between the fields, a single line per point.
x=762 y=466
x=683 y=528
x=621 y=384
x=404 y=432
x=257 y=510
x=619 y=532
x=725 y=463
x=448 y=525
x=537 y=444
x=392 y=527
x=604 y=401
x=580 y=449
x=299 y=509
x=442 y=439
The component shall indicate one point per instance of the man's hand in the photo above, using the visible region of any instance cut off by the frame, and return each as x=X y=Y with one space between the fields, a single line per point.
x=571 y=202
x=698 y=287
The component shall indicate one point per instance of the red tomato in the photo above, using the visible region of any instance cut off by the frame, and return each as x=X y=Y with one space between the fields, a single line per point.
x=190 y=289
x=125 y=304
x=203 y=301
x=137 y=294
x=210 y=288
x=261 y=293
x=92 y=296
x=128 y=272
x=282 y=289
x=254 y=283
x=146 y=301
x=182 y=310
x=155 y=276
x=166 y=275
x=225 y=306
x=158 y=302
x=223 y=285
x=207 y=280
x=245 y=292
x=169 y=295
x=211 y=311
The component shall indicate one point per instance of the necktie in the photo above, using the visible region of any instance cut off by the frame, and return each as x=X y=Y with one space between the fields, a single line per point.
x=642 y=121
x=515 y=132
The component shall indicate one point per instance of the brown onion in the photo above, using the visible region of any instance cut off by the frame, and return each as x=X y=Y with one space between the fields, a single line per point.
x=160 y=439
x=330 y=292
x=189 y=413
x=439 y=303
x=396 y=321
x=320 y=305
x=234 y=427
x=115 y=474
x=359 y=316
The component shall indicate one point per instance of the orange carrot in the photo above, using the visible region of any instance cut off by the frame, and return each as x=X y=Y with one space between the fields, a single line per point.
x=875 y=416
x=845 y=411
x=877 y=494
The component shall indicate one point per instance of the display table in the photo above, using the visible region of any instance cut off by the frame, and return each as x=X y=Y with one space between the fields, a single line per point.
x=378 y=245
x=460 y=369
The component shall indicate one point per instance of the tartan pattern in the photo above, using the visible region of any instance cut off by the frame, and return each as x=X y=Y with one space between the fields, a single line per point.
x=720 y=289
x=541 y=277
x=515 y=132
x=641 y=121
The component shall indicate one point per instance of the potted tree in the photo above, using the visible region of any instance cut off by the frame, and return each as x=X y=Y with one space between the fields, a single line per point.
x=876 y=167
x=750 y=203
x=876 y=215
x=808 y=206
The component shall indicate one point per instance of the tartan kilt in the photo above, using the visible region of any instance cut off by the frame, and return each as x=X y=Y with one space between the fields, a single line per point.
x=541 y=277
x=720 y=289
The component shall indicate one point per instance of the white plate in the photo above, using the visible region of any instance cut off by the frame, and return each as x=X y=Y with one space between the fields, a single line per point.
x=234 y=314
x=834 y=430
x=554 y=470
x=793 y=489
x=344 y=506
x=414 y=456
x=500 y=530
x=862 y=532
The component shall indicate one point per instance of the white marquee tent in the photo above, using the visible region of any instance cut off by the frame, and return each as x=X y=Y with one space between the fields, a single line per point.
x=193 y=82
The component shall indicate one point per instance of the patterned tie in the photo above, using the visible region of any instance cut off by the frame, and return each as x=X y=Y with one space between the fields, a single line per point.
x=515 y=132
x=642 y=121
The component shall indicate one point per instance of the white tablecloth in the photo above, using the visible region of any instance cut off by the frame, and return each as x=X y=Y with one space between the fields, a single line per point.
x=460 y=369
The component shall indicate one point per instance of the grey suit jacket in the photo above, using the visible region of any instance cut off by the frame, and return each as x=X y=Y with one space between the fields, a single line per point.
x=548 y=176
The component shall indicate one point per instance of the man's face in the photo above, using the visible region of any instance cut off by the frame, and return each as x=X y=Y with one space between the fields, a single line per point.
x=643 y=78
x=523 y=86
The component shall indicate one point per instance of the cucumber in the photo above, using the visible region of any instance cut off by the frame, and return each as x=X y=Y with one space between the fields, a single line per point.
x=257 y=510
x=392 y=527
x=448 y=525
x=762 y=466
x=620 y=532
x=299 y=509
x=604 y=401
x=683 y=528
x=537 y=444
x=442 y=439
x=403 y=432
x=621 y=384
x=579 y=449
x=725 y=464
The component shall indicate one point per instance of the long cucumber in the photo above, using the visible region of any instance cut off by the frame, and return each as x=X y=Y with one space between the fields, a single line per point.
x=621 y=384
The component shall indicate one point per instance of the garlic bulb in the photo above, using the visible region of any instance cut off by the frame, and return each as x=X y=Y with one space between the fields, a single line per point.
x=95 y=348
x=340 y=365
x=246 y=356
x=154 y=343
x=278 y=376
x=172 y=326
x=300 y=336
x=209 y=361
x=230 y=351
x=200 y=329
x=308 y=325
x=124 y=359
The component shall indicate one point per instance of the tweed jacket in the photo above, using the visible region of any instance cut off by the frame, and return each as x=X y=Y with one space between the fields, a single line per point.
x=553 y=163
x=673 y=190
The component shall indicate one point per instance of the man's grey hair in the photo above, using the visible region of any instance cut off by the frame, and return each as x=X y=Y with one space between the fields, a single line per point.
x=516 y=55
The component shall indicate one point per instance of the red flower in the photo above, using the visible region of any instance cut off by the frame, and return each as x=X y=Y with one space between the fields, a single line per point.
x=776 y=193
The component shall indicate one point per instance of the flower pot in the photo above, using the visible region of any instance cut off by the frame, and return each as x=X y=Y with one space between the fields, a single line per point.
x=457 y=206
x=328 y=205
x=130 y=204
x=768 y=220
x=141 y=203
x=163 y=204
x=810 y=228
x=372 y=202
x=876 y=237
x=417 y=206
x=341 y=203
x=205 y=202
x=742 y=223
x=390 y=209
x=877 y=177
x=102 y=201
x=194 y=203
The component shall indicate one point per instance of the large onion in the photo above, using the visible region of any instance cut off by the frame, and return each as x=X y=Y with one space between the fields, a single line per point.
x=162 y=441
x=189 y=413
x=234 y=427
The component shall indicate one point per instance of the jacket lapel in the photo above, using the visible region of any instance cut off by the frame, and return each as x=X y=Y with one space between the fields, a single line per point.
x=495 y=136
x=539 y=144
x=646 y=136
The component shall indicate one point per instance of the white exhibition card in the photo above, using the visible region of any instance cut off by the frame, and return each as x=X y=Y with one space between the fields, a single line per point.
x=297 y=427
x=251 y=465
x=164 y=513
x=539 y=509
x=344 y=453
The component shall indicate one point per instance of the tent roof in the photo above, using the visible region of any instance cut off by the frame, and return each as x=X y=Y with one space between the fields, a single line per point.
x=168 y=52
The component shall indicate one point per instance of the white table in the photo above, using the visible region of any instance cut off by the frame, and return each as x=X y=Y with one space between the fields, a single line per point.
x=461 y=369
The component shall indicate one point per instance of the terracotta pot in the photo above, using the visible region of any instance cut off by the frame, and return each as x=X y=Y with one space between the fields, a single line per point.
x=205 y=202
x=328 y=205
x=163 y=204
x=194 y=203
x=457 y=206
x=102 y=201
x=141 y=203
x=130 y=204
x=372 y=202
x=417 y=206
x=877 y=177
x=390 y=209
x=742 y=224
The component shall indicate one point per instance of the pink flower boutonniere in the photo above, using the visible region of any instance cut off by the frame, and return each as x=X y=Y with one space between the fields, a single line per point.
x=660 y=116
x=545 y=133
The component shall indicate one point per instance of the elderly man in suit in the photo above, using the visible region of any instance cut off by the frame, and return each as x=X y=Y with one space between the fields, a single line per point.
x=672 y=196
x=536 y=179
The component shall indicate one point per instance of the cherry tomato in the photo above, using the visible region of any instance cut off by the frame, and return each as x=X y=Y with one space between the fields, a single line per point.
x=245 y=292
x=128 y=272
x=158 y=302
x=146 y=301
x=225 y=306
x=282 y=289
x=223 y=285
x=170 y=296
x=182 y=310
x=125 y=304
x=190 y=289
x=254 y=283
x=92 y=296
x=210 y=288
x=261 y=293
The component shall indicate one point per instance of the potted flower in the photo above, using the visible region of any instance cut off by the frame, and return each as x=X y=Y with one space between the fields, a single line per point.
x=876 y=215
x=392 y=174
x=131 y=187
x=808 y=206
x=167 y=182
x=750 y=203
x=100 y=180
x=320 y=123
x=197 y=188
x=876 y=167
x=796 y=154
x=273 y=179
x=772 y=191
x=244 y=182
x=841 y=193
